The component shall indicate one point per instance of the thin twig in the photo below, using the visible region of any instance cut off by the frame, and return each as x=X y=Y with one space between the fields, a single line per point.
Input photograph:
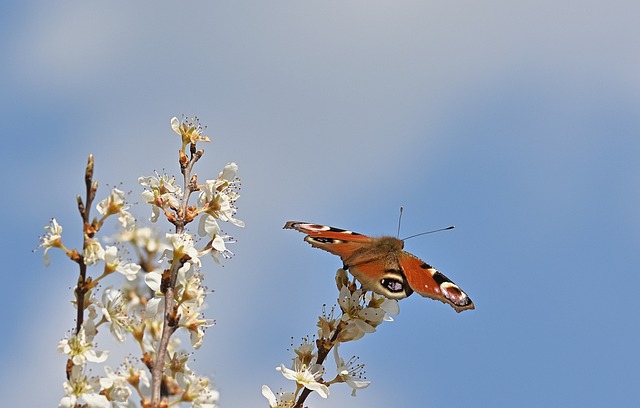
x=85 y=210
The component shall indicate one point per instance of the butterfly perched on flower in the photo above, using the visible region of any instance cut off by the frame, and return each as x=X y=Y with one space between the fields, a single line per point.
x=382 y=266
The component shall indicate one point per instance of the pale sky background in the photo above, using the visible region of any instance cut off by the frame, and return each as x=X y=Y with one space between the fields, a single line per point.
x=516 y=121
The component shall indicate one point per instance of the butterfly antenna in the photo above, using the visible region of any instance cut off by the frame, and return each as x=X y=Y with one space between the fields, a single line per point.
x=399 y=220
x=429 y=232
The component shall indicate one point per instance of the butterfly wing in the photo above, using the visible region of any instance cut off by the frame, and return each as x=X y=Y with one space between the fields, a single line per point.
x=429 y=282
x=383 y=276
x=334 y=240
x=381 y=265
x=372 y=261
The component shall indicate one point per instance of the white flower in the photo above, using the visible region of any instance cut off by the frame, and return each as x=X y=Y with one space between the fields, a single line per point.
x=350 y=372
x=389 y=306
x=327 y=323
x=80 y=350
x=176 y=363
x=190 y=291
x=192 y=320
x=305 y=354
x=218 y=246
x=135 y=376
x=113 y=310
x=353 y=313
x=79 y=387
x=197 y=390
x=182 y=245
x=190 y=130
x=217 y=198
x=52 y=239
x=162 y=194
x=283 y=400
x=363 y=312
x=93 y=252
x=229 y=172
x=114 y=263
x=306 y=376
x=115 y=204
x=116 y=386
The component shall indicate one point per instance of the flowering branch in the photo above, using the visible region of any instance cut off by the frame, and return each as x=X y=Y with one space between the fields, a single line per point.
x=361 y=312
x=157 y=302
x=179 y=219
x=153 y=304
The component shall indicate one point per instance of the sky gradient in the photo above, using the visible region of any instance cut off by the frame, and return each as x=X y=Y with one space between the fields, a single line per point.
x=518 y=123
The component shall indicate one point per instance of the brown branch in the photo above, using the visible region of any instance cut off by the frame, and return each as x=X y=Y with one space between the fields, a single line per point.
x=171 y=317
x=324 y=347
x=84 y=209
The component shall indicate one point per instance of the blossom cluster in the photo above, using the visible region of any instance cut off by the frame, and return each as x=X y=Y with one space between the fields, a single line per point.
x=360 y=313
x=161 y=292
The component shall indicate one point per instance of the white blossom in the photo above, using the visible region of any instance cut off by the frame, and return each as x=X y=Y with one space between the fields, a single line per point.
x=283 y=400
x=52 y=239
x=113 y=310
x=306 y=376
x=80 y=350
x=114 y=263
x=350 y=372
x=79 y=388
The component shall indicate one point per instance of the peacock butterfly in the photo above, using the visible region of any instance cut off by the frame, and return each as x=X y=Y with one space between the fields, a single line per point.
x=381 y=265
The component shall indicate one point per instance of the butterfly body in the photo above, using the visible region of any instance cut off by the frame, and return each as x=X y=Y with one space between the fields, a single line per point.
x=382 y=266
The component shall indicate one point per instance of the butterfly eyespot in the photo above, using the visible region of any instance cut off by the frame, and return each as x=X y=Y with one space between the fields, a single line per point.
x=393 y=285
x=455 y=294
x=393 y=288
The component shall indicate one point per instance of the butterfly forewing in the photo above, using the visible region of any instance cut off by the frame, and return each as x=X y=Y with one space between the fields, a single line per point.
x=429 y=282
x=337 y=241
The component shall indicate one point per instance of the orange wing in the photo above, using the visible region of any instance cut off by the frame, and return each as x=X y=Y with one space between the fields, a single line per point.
x=334 y=240
x=429 y=282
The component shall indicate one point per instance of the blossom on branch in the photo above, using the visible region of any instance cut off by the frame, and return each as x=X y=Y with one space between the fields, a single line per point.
x=52 y=239
x=306 y=377
x=282 y=400
x=190 y=130
x=350 y=372
x=79 y=348
x=162 y=193
x=115 y=204
x=114 y=263
x=80 y=388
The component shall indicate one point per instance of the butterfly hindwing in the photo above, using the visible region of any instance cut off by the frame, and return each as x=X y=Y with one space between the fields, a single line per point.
x=380 y=278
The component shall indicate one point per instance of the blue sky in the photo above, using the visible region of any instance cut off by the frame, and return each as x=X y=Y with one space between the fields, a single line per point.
x=518 y=123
